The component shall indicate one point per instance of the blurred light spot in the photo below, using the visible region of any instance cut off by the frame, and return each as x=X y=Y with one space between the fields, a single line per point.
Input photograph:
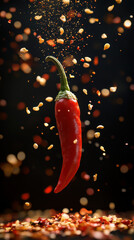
x=96 y=113
x=11 y=158
x=48 y=189
x=85 y=176
x=90 y=191
x=21 y=106
x=27 y=205
x=16 y=170
x=17 y=24
x=35 y=146
x=75 y=88
x=124 y=168
x=49 y=172
x=83 y=201
x=90 y=134
x=21 y=156
x=127 y=23
x=25 y=68
x=112 y=205
x=105 y=92
x=25 y=196
x=47 y=119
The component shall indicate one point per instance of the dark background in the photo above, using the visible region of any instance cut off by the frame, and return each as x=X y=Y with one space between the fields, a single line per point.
x=18 y=128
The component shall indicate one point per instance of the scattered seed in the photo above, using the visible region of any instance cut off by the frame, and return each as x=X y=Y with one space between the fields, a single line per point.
x=41 y=40
x=35 y=146
x=40 y=104
x=46 y=124
x=95 y=177
x=27 y=110
x=60 y=41
x=36 y=109
x=66 y=2
x=38 y=17
x=63 y=18
x=97 y=134
x=23 y=50
x=75 y=141
x=49 y=99
x=71 y=76
x=106 y=46
x=88 y=11
x=102 y=148
x=118 y=1
x=100 y=127
x=104 y=35
x=81 y=30
x=61 y=31
x=74 y=61
x=51 y=128
x=86 y=65
x=88 y=59
x=50 y=147
x=110 y=8
x=90 y=106
x=85 y=91
x=113 y=89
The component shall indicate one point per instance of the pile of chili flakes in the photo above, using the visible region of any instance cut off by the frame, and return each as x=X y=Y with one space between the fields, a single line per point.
x=64 y=225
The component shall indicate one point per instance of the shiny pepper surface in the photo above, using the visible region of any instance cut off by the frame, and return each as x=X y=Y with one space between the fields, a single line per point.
x=67 y=114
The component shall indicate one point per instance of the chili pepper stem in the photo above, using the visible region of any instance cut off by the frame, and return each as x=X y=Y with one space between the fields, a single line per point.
x=64 y=90
x=63 y=77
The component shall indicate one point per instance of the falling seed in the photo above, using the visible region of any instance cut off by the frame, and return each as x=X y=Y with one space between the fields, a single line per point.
x=106 y=46
x=49 y=99
x=118 y=1
x=88 y=59
x=102 y=148
x=113 y=89
x=75 y=141
x=110 y=8
x=41 y=40
x=40 y=104
x=104 y=35
x=127 y=23
x=42 y=81
x=50 y=147
x=71 y=76
x=35 y=146
x=66 y=2
x=60 y=41
x=61 y=31
x=51 y=128
x=90 y=106
x=46 y=124
x=23 y=50
x=85 y=91
x=74 y=61
x=97 y=134
x=27 y=110
x=95 y=177
x=83 y=201
x=38 y=17
x=100 y=127
x=63 y=18
x=81 y=30
x=88 y=11
x=86 y=65
x=36 y=109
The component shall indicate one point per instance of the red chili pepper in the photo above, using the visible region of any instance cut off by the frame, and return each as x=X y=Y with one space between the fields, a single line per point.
x=67 y=114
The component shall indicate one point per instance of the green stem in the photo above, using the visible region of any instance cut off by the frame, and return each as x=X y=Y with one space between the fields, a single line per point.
x=63 y=77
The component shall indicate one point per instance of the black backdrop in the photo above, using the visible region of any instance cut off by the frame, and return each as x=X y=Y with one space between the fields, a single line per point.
x=18 y=128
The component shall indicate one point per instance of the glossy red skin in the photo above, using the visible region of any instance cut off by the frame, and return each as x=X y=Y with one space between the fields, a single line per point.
x=67 y=113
